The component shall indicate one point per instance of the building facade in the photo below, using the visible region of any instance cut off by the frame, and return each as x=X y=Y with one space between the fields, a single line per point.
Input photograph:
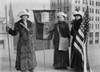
x=69 y=6
x=5 y=44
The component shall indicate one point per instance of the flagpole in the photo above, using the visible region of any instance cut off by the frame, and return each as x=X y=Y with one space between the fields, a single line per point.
x=8 y=40
x=44 y=54
x=43 y=43
x=85 y=49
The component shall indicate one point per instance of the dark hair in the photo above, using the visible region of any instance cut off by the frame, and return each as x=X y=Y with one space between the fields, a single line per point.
x=62 y=15
x=24 y=15
x=78 y=15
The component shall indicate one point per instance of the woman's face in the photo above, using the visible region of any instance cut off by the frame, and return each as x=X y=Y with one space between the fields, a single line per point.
x=77 y=17
x=60 y=18
x=24 y=17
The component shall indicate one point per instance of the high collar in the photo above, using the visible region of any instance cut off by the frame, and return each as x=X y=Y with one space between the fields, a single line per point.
x=23 y=21
x=60 y=22
x=79 y=20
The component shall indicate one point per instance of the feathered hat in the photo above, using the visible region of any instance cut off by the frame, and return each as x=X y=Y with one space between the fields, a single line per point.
x=24 y=12
x=61 y=14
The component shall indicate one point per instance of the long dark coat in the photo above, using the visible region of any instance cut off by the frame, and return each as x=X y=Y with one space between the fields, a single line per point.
x=61 y=58
x=76 y=58
x=25 y=57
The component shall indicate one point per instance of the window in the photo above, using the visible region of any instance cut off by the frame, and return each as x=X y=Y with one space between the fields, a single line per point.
x=83 y=1
x=67 y=17
x=96 y=26
x=92 y=10
x=96 y=37
x=99 y=11
x=98 y=18
x=1 y=44
x=91 y=38
x=95 y=18
x=89 y=26
x=78 y=1
x=96 y=3
x=96 y=11
x=92 y=2
x=90 y=18
x=99 y=3
x=92 y=26
x=75 y=1
x=65 y=10
x=83 y=9
x=52 y=4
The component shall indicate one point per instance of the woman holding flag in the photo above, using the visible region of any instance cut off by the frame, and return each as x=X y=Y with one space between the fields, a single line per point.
x=61 y=42
x=25 y=57
x=76 y=56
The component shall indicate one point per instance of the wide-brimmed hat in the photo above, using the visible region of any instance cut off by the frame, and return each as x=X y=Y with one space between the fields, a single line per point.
x=61 y=14
x=24 y=12
x=80 y=13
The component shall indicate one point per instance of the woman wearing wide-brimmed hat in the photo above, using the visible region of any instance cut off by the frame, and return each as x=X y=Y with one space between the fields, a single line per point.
x=25 y=57
x=61 y=42
x=76 y=57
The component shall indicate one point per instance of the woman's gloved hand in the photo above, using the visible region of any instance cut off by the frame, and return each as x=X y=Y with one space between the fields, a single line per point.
x=7 y=28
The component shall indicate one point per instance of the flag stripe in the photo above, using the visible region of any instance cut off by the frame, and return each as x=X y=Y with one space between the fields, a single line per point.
x=78 y=43
x=81 y=33
x=80 y=36
x=78 y=48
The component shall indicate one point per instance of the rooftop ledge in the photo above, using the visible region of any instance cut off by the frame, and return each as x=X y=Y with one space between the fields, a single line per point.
x=45 y=62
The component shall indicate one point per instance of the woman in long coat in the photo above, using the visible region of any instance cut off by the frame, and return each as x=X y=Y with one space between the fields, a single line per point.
x=25 y=57
x=76 y=57
x=61 y=29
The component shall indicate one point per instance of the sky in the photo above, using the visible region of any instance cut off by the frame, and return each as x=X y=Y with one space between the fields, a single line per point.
x=19 y=5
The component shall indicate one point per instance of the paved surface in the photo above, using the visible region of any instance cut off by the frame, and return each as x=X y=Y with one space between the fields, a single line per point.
x=94 y=59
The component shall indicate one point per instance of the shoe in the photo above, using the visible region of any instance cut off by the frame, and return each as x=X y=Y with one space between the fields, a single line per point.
x=71 y=69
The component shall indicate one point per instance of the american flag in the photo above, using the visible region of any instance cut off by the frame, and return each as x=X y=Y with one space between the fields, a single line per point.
x=82 y=32
x=81 y=38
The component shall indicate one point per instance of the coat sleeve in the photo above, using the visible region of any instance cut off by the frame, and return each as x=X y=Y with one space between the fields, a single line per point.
x=15 y=31
x=31 y=28
x=66 y=31
x=73 y=31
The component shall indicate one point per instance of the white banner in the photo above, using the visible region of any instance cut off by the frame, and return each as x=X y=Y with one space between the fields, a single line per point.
x=63 y=44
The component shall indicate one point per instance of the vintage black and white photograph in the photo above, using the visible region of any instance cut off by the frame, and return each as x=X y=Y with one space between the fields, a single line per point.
x=49 y=35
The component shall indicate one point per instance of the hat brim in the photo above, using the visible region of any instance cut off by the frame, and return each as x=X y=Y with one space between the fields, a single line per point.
x=77 y=15
x=62 y=15
x=24 y=15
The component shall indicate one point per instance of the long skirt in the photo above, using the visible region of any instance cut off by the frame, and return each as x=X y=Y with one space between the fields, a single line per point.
x=61 y=58
x=76 y=59
x=25 y=58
